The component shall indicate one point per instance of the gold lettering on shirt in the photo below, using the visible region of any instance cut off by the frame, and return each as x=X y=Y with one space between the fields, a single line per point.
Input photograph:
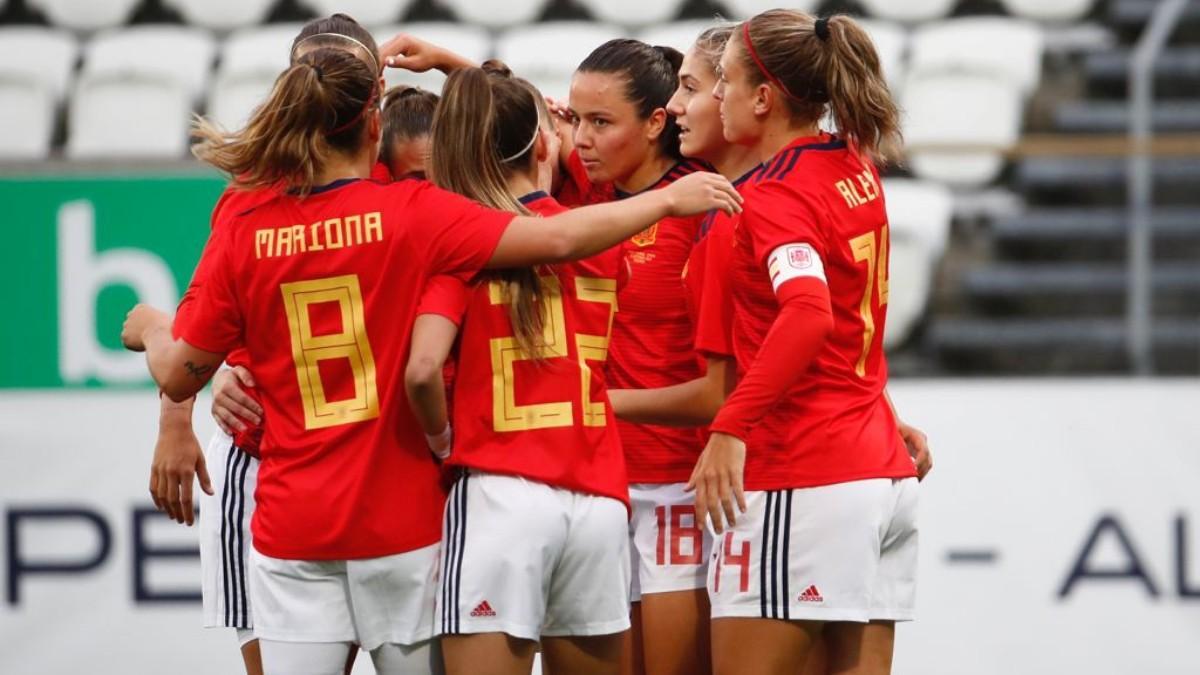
x=332 y=233
x=858 y=189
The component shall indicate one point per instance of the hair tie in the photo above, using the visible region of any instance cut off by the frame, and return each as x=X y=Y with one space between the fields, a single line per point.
x=821 y=28
x=320 y=73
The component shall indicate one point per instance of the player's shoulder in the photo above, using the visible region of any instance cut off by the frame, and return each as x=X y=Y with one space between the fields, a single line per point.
x=541 y=203
x=683 y=168
x=802 y=162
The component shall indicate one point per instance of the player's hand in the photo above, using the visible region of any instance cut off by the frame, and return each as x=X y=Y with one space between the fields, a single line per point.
x=560 y=111
x=701 y=192
x=412 y=53
x=178 y=460
x=717 y=480
x=138 y=321
x=232 y=407
x=918 y=448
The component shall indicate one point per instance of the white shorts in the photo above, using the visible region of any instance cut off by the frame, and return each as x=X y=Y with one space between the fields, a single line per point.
x=225 y=540
x=844 y=552
x=670 y=549
x=370 y=601
x=527 y=559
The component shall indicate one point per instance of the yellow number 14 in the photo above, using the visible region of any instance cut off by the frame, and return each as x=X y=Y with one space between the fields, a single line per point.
x=876 y=257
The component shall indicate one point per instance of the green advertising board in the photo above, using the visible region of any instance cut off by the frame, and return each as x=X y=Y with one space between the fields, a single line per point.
x=79 y=251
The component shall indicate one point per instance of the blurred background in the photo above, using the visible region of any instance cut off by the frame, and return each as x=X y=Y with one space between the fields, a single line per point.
x=1044 y=307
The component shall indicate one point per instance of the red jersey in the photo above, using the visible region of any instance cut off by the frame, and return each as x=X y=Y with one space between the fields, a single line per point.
x=834 y=425
x=323 y=291
x=548 y=421
x=706 y=276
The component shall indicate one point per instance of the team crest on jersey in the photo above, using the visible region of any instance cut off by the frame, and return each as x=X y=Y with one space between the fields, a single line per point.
x=800 y=257
x=646 y=237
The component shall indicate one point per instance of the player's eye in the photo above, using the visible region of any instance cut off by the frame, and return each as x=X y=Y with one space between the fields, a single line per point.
x=600 y=122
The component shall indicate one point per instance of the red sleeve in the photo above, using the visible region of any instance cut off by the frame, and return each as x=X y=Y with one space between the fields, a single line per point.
x=445 y=295
x=212 y=319
x=796 y=337
x=777 y=215
x=453 y=233
x=714 y=320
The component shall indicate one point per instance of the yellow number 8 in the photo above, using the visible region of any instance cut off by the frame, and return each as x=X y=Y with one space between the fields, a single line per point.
x=350 y=343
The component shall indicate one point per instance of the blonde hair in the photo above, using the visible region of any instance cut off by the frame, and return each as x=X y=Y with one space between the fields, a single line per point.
x=318 y=107
x=820 y=62
x=481 y=136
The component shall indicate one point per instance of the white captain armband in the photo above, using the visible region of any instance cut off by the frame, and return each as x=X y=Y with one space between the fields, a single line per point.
x=793 y=261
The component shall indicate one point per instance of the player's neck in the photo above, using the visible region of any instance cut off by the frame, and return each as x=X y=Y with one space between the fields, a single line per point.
x=735 y=161
x=520 y=184
x=647 y=173
x=340 y=167
x=778 y=134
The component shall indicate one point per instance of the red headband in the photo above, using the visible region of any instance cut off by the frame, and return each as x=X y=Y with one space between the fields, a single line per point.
x=359 y=116
x=762 y=67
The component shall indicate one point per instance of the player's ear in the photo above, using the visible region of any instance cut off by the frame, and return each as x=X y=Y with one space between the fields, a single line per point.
x=541 y=147
x=655 y=123
x=764 y=99
x=375 y=126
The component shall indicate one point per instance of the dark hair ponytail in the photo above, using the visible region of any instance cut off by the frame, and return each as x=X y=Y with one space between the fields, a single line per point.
x=651 y=76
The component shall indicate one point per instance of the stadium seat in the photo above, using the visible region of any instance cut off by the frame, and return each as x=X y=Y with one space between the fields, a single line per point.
x=234 y=97
x=891 y=43
x=908 y=11
x=86 y=16
x=988 y=44
x=547 y=54
x=171 y=52
x=919 y=214
x=366 y=12
x=979 y=113
x=633 y=12
x=1058 y=11
x=128 y=117
x=56 y=54
x=471 y=42
x=744 y=9
x=255 y=50
x=28 y=107
x=681 y=35
x=494 y=14
x=222 y=14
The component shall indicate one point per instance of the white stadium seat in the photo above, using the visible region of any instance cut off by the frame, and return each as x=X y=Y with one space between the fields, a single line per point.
x=255 y=50
x=171 y=52
x=366 y=12
x=908 y=11
x=471 y=42
x=744 y=9
x=919 y=214
x=495 y=14
x=681 y=35
x=891 y=43
x=979 y=112
x=633 y=12
x=1058 y=11
x=234 y=97
x=88 y=15
x=28 y=107
x=56 y=53
x=1011 y=48
x=921 y=209
x=909 y=283
x=222 y=14
x=128 y=117
x=547 y=54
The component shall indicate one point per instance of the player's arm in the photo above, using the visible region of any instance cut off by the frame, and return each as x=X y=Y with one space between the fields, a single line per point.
x=412 y=53
x=915 y=440
x=580 y=233
x=177 y=460
x=179 y=369
x=432 y=339
x=687 y=404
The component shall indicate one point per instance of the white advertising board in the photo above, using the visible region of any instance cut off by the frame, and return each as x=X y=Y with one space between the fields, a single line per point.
x=1060 y=534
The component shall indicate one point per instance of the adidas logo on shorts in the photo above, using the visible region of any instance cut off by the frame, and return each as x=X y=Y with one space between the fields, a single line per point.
x=483 y=609
x=811 y=594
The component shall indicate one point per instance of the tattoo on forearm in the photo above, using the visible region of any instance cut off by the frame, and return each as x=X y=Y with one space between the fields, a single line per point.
x=198 y=372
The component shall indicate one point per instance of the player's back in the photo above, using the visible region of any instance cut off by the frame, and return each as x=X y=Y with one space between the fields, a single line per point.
x=326 y=288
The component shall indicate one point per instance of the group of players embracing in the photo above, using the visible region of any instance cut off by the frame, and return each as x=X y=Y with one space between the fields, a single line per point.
x=601 y=378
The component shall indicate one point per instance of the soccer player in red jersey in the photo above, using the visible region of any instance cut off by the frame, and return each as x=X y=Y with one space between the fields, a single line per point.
x=407 y=119
x=623 y=142
x=227 y=503
x=532 y=428
x=824 y=537
x=307 y=281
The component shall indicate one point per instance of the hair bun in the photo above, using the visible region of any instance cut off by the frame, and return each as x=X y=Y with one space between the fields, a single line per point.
x=496 y=67
x=672 y=55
